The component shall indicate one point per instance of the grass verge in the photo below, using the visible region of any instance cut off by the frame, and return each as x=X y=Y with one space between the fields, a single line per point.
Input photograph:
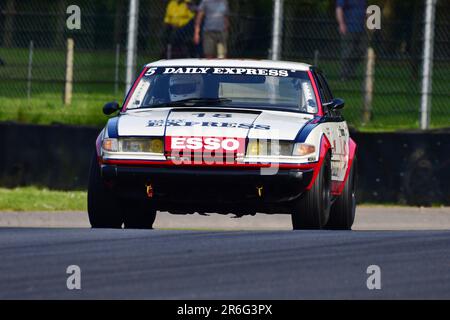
x=35 y=199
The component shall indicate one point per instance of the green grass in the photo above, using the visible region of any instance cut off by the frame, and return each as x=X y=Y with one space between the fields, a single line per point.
x=94 y=74
x=49 y=110
x=396 y=98
x=34 y=199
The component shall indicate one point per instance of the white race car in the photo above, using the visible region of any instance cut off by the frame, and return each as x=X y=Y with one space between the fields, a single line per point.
x=225 y=136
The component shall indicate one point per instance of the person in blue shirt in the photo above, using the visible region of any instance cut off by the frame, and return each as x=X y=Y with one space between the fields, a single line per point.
x=351 y=17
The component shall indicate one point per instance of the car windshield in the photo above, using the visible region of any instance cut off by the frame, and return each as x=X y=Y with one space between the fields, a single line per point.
x=273 y=89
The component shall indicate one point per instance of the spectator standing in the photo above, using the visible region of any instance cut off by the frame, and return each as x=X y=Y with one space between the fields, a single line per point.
x=179 y=28
x=351 y=15
x=215 y=27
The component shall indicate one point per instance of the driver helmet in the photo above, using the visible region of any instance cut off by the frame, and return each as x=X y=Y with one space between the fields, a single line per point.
x=183 y=87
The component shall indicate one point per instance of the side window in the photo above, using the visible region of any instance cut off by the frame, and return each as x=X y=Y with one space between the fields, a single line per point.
x=327 y=95
x=326 y=86
x=324 y=97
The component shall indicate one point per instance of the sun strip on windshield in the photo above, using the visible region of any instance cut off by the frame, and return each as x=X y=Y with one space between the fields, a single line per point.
x=237 y=71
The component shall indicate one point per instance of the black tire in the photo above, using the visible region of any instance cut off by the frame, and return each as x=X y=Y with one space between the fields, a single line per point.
x=140 y=215
x=342 y=214
x=312 y=209
x=103 y=207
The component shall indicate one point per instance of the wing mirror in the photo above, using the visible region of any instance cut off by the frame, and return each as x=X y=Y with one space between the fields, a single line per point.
x=335 y=104
x=111 y=107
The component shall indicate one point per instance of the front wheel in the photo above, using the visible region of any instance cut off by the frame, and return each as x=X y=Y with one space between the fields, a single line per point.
x=106 y=210
x=312 y=209
x=103 y=207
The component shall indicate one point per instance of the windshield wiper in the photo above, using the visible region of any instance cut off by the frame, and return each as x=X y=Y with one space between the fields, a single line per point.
x=192 y=102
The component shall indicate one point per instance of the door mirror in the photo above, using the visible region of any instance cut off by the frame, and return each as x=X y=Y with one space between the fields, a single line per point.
x=335 y=104
x=111 y=107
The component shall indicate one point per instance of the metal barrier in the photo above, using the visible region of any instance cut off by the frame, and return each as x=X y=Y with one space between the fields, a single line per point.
x=406 y=168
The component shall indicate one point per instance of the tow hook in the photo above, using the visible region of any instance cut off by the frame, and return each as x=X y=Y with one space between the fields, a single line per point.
x=149 y=190
x=260 y=191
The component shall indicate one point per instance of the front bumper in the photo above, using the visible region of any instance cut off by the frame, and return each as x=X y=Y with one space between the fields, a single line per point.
x=204 y=189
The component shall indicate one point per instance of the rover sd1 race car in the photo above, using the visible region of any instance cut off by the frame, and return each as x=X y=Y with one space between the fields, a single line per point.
x=225 y=136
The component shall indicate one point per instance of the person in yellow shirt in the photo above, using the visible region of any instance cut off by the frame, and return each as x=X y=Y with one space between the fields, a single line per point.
x=178 y=13
x=179 y=28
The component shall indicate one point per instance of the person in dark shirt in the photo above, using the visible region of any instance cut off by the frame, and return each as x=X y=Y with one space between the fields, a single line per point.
x=351 y=15
x=214 y=16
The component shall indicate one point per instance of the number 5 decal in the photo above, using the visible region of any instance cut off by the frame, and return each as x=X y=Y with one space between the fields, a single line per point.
x=150 y=72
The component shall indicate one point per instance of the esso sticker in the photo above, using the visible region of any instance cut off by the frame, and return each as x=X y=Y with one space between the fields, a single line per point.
x=205 y=144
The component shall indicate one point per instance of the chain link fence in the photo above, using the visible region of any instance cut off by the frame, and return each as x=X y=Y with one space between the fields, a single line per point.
x=33 y=52
x=311 y=34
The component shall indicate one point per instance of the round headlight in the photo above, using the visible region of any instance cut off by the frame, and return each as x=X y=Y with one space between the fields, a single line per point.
x=157 y=146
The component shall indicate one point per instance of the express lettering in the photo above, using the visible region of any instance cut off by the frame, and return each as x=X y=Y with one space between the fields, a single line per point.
x=183 y=123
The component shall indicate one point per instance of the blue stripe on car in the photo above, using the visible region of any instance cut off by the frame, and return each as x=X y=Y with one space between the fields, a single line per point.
x=113 y=131
x=306 y=130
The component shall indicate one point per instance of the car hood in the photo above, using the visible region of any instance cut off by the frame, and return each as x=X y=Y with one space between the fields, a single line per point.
x=212 y=123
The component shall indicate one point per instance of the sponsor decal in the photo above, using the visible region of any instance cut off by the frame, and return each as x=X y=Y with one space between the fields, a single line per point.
x=205 y=144
x=204 y=150
x=214 y=124
x=139 y=93
x=220 y=70
x=307 y=91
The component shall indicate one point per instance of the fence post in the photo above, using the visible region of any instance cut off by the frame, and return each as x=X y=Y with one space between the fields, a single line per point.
x=427 y=67
x=368 y=86
x=316 y=57
x=30 y=69
x=277 y=29
x=69 y=73
x=133 y=15
x=116 y=71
